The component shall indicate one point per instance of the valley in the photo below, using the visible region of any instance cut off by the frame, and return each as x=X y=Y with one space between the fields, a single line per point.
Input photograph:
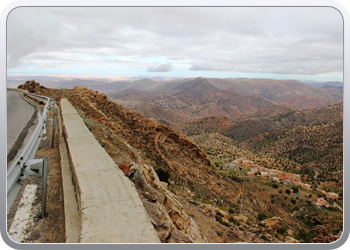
x=189 y=174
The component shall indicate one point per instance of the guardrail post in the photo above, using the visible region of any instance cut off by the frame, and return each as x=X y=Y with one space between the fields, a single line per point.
x=44 y=185
x=53 y=123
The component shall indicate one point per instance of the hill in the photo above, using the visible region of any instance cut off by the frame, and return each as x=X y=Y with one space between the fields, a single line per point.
x=187 y=199
x=235 y=99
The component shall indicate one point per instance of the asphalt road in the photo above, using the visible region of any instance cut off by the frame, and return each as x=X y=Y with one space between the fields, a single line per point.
x=19 y=114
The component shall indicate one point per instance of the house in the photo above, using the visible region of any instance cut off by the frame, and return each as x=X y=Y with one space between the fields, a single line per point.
x=306 y=186
x=254 y=169
x=264 y=174
x=246 y=162
x=296 y=183
x=286 y=181
x=332 y=195
x=321 y=202
x=231 y=165
x=251 y=173
x=275 y=179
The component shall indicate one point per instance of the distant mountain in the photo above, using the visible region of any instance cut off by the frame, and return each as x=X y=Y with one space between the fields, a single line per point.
x=235 y=99
x=321 y=84
x=194 y=98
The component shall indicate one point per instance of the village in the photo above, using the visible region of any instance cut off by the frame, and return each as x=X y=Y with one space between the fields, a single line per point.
x=278 y=176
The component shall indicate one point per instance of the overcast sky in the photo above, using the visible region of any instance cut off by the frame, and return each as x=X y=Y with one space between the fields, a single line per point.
x=279 y=42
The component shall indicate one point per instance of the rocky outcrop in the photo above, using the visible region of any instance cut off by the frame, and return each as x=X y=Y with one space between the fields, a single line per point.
x=30 y=86
x=323 y=236
x=272 y=223
x=166 y=212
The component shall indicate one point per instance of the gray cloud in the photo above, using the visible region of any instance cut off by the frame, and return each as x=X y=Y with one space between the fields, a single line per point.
x=270 y=40
x=161 y=68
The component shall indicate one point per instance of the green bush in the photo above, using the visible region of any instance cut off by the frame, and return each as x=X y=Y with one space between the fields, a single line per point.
x=236 y=222
x=221 y=221
x=293 y=201
x=287 y=191
x=41 y=102
x=295 y=189
x=262 y=216
x=304 y=235
x=231 y=210
x=282 y=230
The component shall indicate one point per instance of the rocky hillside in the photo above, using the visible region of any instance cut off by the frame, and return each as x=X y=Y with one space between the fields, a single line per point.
x=185 y=197
x=235 y=99
x=210 y=124
x=309 y=117
x=317 y=148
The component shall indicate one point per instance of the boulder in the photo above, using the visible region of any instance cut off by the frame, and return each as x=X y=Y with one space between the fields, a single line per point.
x=124 y=168
x=272 y=223
x=226 y=215
x=291 y=240
x=241 y=218
x=179 y=237
x=30 y=86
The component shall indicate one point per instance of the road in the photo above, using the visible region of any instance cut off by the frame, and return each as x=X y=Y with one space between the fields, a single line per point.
x=19 y=118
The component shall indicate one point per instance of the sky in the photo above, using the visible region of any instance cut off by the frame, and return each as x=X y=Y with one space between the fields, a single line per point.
x=302 y=43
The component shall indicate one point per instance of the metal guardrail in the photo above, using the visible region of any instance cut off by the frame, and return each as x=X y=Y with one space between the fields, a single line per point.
x=20 y=167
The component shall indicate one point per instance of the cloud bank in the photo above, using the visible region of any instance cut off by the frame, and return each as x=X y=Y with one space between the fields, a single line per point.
x=279 y=40
x=161 y=68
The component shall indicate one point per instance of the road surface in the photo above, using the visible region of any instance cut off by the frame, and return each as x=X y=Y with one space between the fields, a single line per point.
x=19 y=115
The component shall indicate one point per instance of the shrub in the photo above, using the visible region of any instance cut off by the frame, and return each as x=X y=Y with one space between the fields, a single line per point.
x=231 y=210
x=280 y=191
x=293 y=201
x=262 y=216
x=274 y=185
x=295 y=189
x=304 y=235
x=41 y=102
x=282 y=230
x=287 y=191
x=237 y=223
x=221 y=221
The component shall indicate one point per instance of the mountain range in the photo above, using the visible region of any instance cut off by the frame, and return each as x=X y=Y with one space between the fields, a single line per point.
x=235 y=99
x=186 y=197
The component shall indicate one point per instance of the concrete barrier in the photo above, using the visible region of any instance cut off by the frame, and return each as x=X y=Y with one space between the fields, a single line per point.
x=110 y=209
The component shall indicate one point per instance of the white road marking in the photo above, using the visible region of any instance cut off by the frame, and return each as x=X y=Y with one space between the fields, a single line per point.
x=23 y=218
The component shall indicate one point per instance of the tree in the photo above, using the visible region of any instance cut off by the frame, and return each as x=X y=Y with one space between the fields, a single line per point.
x=295 y=189
x=262 y=216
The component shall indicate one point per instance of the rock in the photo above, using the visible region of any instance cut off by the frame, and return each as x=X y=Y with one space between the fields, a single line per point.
x=193 y=233
x=124 y=168
x=30 y=86
x=160 y=220
x=226 y=215
x=272 y=223
x=179 y=237
x=290 y=232
x=241 y=218
x=164 y=184
x=321 y=230
x=291 y=240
